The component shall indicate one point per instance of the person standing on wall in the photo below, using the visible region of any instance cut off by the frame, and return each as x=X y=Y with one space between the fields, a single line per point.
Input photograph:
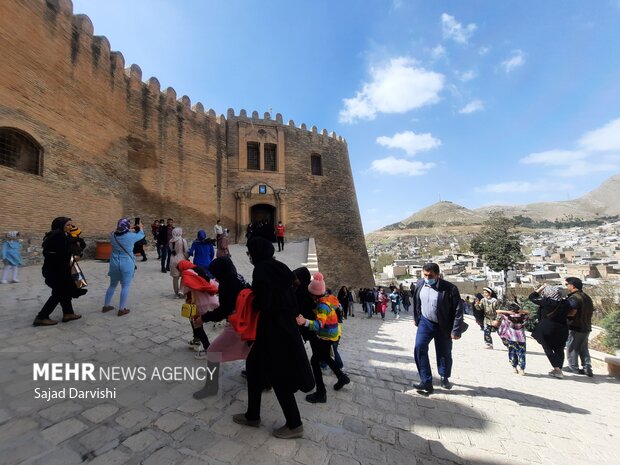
x=438 y=315
x=218 y=230
x=57 y=273
x=280 y=236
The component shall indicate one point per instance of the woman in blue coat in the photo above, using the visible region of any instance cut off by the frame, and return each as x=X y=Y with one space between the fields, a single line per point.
x=122 y=263
x=202 y=250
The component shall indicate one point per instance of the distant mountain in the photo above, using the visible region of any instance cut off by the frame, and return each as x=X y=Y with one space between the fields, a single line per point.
x=601 y=202
x=439 y=214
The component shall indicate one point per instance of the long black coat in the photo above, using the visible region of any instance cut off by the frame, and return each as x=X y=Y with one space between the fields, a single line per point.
x=56 y=263
x=552 y=328
x=278 y=348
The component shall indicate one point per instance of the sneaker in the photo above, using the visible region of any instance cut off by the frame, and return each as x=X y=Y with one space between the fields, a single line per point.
x=122 y=312
x=423 y=388
x=193 y=342
x=446 y=384
x=15 y=281
x=289 y=433
x=70 y=317
x=556 y=373
x=488 y=346
x=397 y=317
x=521 y=371
x=4 y=281
x=44 y=322
x=107 y=308
x=200 y=354
x=316 y=398
x=342 y=382
x=589 y=373
x=581 y=371
x=241 y=419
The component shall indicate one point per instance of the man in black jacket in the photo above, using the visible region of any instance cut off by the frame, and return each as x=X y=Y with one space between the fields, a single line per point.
x=579 y=327
x=438 y=315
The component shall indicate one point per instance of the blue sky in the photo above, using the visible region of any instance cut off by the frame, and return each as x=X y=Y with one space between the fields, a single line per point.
x=477 y=102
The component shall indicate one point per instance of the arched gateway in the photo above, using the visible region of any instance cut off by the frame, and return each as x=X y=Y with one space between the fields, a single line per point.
x=259 y=203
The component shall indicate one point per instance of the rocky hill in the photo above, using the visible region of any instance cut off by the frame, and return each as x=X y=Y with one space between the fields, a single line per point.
x=599 y=203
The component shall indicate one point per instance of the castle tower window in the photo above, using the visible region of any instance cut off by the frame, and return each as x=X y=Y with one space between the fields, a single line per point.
x=20 y=151
x=317 y=167
x=253 y=156
x=270 y=157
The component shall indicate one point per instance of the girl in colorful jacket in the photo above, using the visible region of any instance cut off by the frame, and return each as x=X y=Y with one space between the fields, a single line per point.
x=327 y=329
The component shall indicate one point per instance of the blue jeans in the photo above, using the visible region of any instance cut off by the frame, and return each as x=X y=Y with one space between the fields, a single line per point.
x=427 y=331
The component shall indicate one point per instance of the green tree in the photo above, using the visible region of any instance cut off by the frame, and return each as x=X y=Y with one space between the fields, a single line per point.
x=383 y=260
x=498 y=242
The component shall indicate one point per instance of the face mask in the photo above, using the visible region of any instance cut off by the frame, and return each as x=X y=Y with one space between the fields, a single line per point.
x=430 y=282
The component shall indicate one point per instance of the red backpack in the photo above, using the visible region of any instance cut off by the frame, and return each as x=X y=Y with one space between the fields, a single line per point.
x=244 y=319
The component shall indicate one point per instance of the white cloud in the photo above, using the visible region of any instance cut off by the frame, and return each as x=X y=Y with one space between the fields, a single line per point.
x=605 y=139
x=394 y=166
x=410 y=142
x=598 y=151
x=472 y=107
x=523 y=187
x=468 y=75
x=554 y=157
x=516 y=60
x=484 y=50
x=438 y=52
x=454 y=30
x=397 y=87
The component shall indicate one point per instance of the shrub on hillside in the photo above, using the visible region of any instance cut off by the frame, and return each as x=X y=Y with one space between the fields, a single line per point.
x=611 y=323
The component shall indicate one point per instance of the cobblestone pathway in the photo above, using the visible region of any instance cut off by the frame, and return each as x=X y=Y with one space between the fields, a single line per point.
x=491 y=416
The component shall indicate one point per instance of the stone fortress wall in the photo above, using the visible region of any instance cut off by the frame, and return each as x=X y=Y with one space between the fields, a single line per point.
x=112 y=145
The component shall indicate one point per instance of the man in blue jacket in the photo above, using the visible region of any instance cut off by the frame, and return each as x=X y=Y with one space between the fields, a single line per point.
x=438 y=315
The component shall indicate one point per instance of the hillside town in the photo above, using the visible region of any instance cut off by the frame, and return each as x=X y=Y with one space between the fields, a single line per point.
x=591 y=254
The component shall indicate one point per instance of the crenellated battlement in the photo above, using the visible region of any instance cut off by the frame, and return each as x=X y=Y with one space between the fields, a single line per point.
x=97 y=49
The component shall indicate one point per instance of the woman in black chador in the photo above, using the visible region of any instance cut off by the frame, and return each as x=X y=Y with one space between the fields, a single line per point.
x=57 y=273
x=277 y=357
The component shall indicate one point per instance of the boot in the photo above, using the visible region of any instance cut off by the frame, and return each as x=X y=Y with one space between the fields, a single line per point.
x=212 y=384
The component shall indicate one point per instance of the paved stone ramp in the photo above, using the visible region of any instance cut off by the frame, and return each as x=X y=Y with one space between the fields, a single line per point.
x=491 y=416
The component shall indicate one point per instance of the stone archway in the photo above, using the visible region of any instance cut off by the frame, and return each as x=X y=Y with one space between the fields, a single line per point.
x=263 y=216
x=260 y=201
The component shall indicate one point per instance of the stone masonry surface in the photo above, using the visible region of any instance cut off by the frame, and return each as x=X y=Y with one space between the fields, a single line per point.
x=114 y=145
x=491 y=416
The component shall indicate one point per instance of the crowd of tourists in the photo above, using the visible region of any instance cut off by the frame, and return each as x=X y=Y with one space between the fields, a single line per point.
x=299 y=308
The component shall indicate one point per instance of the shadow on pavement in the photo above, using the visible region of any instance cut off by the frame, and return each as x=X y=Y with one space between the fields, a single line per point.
x=521 y=398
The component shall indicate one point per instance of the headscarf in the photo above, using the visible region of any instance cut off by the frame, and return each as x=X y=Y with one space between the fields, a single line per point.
x=177 y=234
x=222 y=268
x=552 y=292
x=12 y=234
x=260 y=249
x=122 y=226
x=59 y=223
x=202 y=235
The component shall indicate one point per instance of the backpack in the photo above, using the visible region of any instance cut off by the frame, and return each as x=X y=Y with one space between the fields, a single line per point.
x=244 y=319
